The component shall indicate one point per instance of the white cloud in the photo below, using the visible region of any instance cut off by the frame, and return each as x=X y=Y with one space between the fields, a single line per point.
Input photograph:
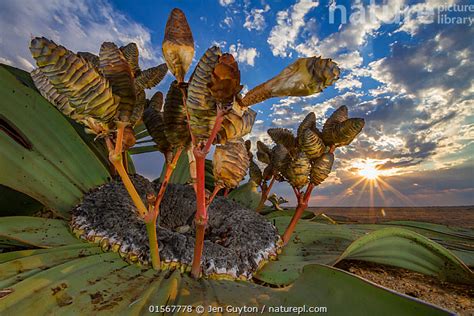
x=244 y=55
x=80 y=25
x=348 y=82
x=364 y=21
x=254 y=20
x=289 y=23
x=420 y=14
x=226 y=23
x=349 y=60
x=221 y=44
x=225 y=3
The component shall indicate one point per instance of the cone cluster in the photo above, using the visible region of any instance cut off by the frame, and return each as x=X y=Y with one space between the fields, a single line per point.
x=94 y=90
x=306 y=157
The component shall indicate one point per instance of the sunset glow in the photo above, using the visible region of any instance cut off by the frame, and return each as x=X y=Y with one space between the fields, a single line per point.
x=369 y=172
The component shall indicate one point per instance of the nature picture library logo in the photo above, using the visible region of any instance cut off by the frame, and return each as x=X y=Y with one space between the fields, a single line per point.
x=392 y=12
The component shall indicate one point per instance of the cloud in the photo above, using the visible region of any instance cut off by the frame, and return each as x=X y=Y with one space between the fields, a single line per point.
x=443 y=60
x=219 y=43
x=364 y=21
x=254 y=20
x=244 y=55
x=227 y=22
x=420 y=14
x=348 y=82
x=225 y=3
x=288 y=25
x=78 y=25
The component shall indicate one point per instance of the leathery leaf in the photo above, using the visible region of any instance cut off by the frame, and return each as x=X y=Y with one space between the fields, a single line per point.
x=42 y=155
x=36 y=231
x=314 y=242
x=406 y=249
x=105 y=283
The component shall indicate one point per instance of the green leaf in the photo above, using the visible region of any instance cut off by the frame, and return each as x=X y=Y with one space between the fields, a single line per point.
x=16 y=203
x=209 y=175
x=306 y=214
x=142 y=149
x=246 y=194
x=36 y=231
x=38 y=260
x=139 y=128
x=311 y=243
x=14 y=255
x=346 y=294
x=22 y=76
x=105 y=284
x=460 y=245
x=131 y=165
x=406 y=249
x=454 y=231
x=42 y=154
x=142 y=135
x=321 y=243
x=46 y=289
x=181 y=171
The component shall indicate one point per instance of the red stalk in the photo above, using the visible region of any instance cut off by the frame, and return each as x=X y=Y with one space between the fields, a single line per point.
x=201 y=212
x=169 y=171
x=226 y=192
x=215 y=130
x=200 y=153
x=265 y=192
x=302 y=205
x=214 y=193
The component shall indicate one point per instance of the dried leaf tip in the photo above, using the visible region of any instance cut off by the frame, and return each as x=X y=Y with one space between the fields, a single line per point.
x=178 y=44
x=304 y=77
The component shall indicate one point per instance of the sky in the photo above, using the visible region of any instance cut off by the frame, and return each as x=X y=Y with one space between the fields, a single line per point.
x=407 y=69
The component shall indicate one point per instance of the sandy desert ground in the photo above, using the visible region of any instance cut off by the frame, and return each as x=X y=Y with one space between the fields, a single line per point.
x=461 y=216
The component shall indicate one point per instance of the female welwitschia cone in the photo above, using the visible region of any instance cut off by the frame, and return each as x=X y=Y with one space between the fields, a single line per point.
x=201 y=104
x=131 y=54
x=153 y=117
x=118 y=72
x=284 y=137
x=237 y=123
x=310 y=138
x=178 y=44
x=230 y=164
x=296 y=170
x=88 y=93
x=321 y=168
x=339 y=130
x=176 y=123
x=304 y=77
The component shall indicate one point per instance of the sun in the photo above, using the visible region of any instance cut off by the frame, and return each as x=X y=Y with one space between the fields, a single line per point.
x=369 y=171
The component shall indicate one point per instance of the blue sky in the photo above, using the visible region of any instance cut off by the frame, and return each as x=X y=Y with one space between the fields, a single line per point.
x=407 y=69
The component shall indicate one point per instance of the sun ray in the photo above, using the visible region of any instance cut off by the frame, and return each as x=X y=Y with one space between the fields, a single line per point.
x=397 y=193
x=361 y=192
x=344 y=194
